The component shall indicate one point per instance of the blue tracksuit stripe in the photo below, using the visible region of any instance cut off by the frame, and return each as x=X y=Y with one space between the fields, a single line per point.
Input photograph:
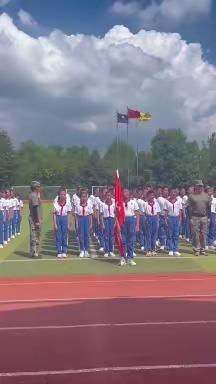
x=62 y=234
x=173 y=233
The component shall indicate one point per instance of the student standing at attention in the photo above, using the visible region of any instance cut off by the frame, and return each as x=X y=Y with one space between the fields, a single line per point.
x=35 y=218
x=62 y=223
x=152 y=210
x=83 y=214
x=174 y=213
x=130 y=226
x=108 y=220
x=2 y=218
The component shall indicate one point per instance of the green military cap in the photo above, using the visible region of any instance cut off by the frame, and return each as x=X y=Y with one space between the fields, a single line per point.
x=35 y=183
x=199 y=183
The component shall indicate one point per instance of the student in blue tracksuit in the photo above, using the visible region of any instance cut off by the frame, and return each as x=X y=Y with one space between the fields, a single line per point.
x=130 y=226
x=142 y=232
x=212 y=224
x=83 y=214
x=162 y=230
x=108 y=221
x=174 y=216
x=8 y=217
x=2 y=218
x=152 y=210
x=62 y=223
x=100 y=200
x=19 y=208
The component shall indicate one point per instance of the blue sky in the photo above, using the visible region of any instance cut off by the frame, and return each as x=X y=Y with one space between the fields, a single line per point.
x=153 y=55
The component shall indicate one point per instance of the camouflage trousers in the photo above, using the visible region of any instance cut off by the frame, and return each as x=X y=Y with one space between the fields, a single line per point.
x=35 y=234
x=199 y=233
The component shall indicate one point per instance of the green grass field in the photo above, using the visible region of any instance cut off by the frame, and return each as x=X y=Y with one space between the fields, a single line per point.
x=15 y=261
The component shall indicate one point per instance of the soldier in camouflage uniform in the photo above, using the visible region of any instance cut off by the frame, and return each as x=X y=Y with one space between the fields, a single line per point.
x=35 y=218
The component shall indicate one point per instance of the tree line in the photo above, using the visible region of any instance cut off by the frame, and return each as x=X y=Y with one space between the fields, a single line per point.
x=171 y=160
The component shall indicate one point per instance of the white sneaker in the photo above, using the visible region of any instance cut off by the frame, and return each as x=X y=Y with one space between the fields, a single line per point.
x=5 y=242
x=157 y=243
x=112 y=254
x=86 y=254
x=134 y=254
x=131 y=262
x=206 y=248
x=106 y=255
x=212 y=247
x=82 y=254
x=154 y=253
x=101 y=249
x=177 y=254
x=171 y=253
x=9 y=239
x=122 y=262
x=1 y=246
x=149 y=254
x=64 y=255
x=19 y=234
x=142 y=248
x=12 y=237
x=188 y=240
x=59 y=256
x=162 y=247
x=180 y=236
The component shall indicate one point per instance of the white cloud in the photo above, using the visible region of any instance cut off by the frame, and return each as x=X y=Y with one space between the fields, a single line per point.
x=26 y=19
x=64 y=89
x=167 y=11
x=4 y=2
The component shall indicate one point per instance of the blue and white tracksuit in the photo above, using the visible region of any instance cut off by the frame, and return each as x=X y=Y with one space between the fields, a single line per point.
x=108 y=214
x=174 y=210
x=83 y=215
x=152 y=224
x=128 y=229
x=212 y=225
x=61 y=213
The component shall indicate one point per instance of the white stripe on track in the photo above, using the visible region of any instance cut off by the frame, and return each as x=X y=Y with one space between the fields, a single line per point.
x=107 y=325
x=141 y=368
x=72 y=299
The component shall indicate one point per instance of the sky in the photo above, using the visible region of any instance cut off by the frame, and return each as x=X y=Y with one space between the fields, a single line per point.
x=67 y=67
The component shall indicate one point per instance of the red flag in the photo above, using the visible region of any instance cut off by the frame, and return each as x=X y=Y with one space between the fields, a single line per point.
x=120 y=213
x=133 y=114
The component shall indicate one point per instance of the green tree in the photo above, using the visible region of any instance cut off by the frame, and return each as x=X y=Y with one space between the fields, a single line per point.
x=7 y=163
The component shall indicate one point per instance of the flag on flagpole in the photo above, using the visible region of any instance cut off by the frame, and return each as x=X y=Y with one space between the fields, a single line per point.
x=145 y=116
x=122 y=118
x=132 y=114
x=120 y=213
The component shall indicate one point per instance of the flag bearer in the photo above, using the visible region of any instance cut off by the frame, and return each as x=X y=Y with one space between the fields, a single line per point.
x=130 y=226
x=2 y=218
x=212 y=225
x=62 y=223
x=152 y=210
x=108 y=220
x=84 y=212
x=174 y=213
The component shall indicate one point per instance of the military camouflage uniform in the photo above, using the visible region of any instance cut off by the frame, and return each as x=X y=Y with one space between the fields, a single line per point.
x=35 y=227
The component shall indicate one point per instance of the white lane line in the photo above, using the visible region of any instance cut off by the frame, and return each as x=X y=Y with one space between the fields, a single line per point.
x=73 y=299
x=108 y=325
x=161 y=279
x=109 y=370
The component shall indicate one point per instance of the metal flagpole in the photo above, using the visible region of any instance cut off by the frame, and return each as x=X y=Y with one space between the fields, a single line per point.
x=128 y=171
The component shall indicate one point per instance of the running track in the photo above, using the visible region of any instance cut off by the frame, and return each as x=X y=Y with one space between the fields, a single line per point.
x=121 y=329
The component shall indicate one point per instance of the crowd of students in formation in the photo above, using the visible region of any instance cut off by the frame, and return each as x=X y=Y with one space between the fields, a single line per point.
x=11 y=207
x=154 y=220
